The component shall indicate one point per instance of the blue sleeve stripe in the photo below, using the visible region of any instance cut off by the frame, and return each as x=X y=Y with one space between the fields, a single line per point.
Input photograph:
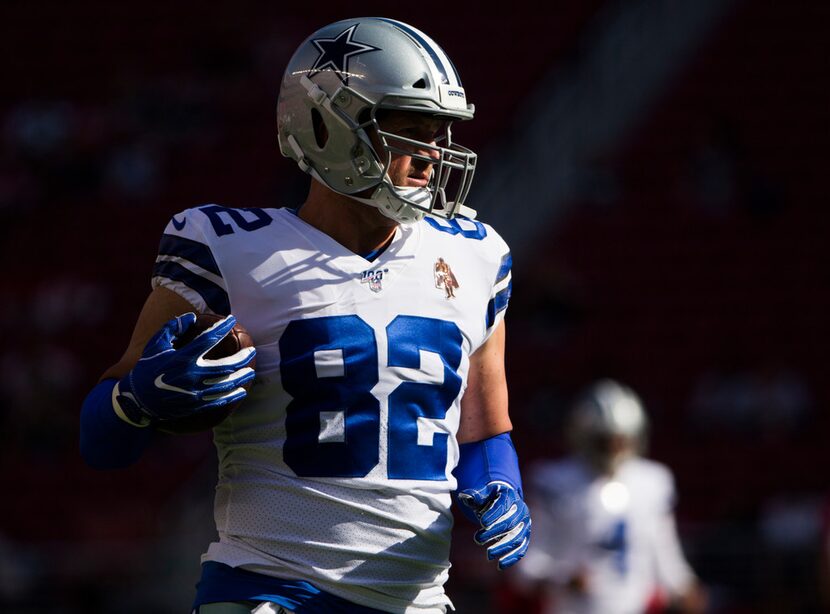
x=504 y=267
x=502 y=298
x=454 y=227
x=215 y=297
x=498 y=303
x=195 y=252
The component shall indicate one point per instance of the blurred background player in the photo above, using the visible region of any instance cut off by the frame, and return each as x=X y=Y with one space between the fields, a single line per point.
x=604 y=533
x=336 y=474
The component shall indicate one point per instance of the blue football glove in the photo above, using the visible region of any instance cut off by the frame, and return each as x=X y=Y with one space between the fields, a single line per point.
x=504 y=518
x=168 y=383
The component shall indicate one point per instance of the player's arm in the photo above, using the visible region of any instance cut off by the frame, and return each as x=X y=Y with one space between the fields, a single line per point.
x=161 y=306
x=484 y=405
x=675 y=573
x=489 y=482
x=153 y=382
x=106 y=441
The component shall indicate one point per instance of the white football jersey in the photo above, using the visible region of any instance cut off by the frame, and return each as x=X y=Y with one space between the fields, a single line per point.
x=337 y=467
x=618 y=532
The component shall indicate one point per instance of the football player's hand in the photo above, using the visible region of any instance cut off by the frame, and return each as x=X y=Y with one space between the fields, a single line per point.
x=168 y=383
x=504 y=518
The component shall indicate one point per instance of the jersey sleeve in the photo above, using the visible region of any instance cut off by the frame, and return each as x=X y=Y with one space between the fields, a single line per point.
x=186 y=264
x=673 y=570
x=502 y=284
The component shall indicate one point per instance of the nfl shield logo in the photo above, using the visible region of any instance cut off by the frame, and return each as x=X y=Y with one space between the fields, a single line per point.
x=374 y=279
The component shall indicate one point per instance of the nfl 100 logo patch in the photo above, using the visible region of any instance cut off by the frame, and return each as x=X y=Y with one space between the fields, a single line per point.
x=373 y=277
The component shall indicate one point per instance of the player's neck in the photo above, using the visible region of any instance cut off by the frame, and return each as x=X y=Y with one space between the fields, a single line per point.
x=358 y=227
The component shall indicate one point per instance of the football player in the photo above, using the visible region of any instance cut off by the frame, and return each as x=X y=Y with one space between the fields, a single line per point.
x=605 y=540
x=377 y=395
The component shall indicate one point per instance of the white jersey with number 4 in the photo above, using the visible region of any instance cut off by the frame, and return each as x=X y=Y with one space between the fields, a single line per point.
x=337 y=467
x=617 y=534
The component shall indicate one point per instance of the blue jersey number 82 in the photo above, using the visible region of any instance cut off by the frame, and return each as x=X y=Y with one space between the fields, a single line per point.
x=329 y=366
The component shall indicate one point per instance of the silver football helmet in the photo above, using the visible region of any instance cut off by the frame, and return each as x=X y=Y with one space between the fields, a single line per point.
x=608 y=424
x=332 y=90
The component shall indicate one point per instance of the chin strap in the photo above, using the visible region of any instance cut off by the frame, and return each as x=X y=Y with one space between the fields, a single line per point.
x=392 y=206
x=301 y=159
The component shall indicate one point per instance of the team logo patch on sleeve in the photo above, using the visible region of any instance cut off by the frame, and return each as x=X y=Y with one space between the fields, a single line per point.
x=374 y=278
x=445 y=278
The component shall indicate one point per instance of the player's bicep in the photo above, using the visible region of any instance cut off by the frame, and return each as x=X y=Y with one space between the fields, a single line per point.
x=160 y=306
x=484 y=410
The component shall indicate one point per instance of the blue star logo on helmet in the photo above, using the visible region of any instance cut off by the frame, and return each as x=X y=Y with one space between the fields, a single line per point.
x=336 y=52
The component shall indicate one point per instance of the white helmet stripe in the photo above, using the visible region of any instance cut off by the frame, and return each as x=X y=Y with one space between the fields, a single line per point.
x=434 y=51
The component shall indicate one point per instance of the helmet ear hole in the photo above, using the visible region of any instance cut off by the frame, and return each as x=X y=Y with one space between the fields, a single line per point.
x=365 y=116
x=321 y=133
x=420 y=84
